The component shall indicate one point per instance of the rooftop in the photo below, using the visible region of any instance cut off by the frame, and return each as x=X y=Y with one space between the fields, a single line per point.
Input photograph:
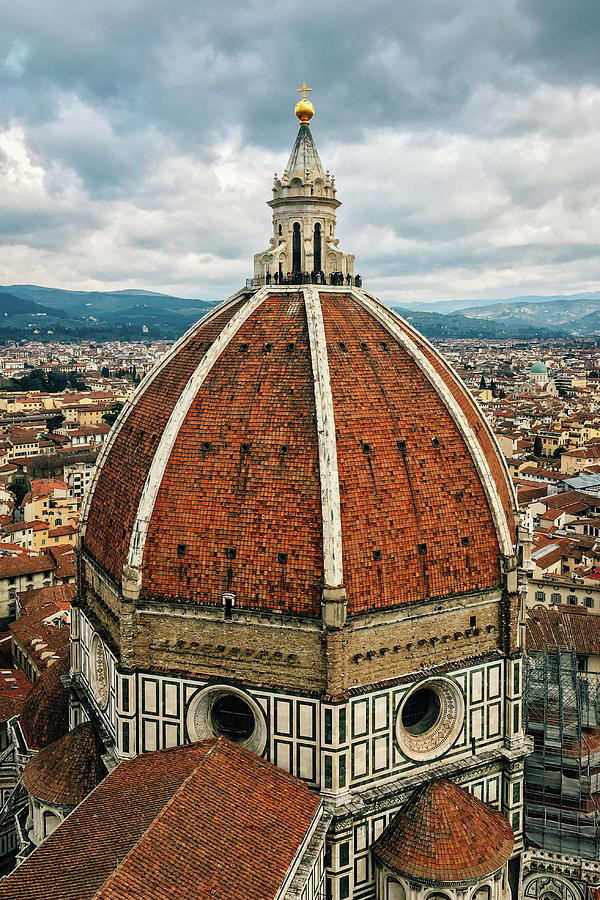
x=203 y=820
x=445 y=834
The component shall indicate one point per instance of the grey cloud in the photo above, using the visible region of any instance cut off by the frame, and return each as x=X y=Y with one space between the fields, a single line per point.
x=463 y=136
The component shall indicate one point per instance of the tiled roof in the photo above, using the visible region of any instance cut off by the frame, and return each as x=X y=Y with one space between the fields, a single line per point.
x=14 y=688
x=565 y=627
x=45 y=716
x=61 y=530
x=202 y=820
x=65 y=561
x=43 y=642
x=65 y=772
x=34 y=601
x=239 y=504
x=25 y=565
x=444 y=834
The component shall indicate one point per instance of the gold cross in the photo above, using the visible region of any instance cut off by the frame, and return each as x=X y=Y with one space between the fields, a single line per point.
x=304 y=89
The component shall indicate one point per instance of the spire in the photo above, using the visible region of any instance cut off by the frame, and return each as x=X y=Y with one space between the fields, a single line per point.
x=304 y=157
x=304 y=162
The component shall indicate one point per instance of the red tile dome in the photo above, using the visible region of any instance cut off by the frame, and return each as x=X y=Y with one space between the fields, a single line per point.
x=45 y=716
x=65 y=772
x=297 y=439
x=444 y=834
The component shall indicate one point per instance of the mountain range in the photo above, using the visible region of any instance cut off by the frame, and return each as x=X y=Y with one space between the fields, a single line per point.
x=28 y=310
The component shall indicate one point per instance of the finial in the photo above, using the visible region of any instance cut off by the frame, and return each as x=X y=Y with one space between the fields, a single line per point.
x=304 y=108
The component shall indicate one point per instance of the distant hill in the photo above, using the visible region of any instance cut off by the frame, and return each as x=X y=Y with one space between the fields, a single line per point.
x=575 y=315
x=437 y=325
x=11 y=305
x=30 y=309
x=449 y=306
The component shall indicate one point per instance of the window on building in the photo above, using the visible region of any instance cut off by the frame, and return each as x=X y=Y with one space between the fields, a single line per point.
x=421 y=711
x=345 y=854
x=540 y=596
x=233 y=718
x=572 y=599
x=395 y=891
x=555 y=598
x=589 y=602
x=482 y=893
x=51 y=821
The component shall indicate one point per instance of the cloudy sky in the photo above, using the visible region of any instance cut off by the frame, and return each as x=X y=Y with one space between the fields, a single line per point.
x=138 y=140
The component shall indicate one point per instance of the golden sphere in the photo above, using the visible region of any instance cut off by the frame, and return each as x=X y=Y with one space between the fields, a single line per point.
x=304 y=110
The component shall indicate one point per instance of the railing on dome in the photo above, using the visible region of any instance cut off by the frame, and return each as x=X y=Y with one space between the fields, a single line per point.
x=335 y=279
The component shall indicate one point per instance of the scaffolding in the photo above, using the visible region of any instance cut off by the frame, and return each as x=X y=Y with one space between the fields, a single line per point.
x=562 y=775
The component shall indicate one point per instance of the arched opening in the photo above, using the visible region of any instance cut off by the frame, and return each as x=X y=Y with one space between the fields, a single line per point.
x=481 y=893
x=296 y=252
x=280 y=230
x=394 y=891
x=317 y=247
x=51 y=821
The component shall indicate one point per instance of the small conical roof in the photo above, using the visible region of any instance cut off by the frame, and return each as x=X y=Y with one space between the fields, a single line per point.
x=304 y=157
x=45 y=716
x=65 y=772
x=444 y=834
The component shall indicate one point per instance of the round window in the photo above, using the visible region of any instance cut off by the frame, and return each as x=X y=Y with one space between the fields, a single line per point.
x=226 y=711
x=429 y=719
x=232 y=717
x=421 y=711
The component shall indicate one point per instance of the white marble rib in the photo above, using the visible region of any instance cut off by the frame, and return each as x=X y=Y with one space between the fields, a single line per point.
x=330 y=486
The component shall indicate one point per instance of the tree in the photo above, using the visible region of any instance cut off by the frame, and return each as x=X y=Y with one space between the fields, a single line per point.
x=538 y=448
x=502 y=394
x=19 y=489
x=493 y=387
x=54 y=422
x=104 y=372
x=559 y=452
x=482 y=384
x=110 y=417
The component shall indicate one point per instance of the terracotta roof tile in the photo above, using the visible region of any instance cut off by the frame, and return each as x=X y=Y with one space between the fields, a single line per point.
x=14 y=688
x=444 y=834
x=65 y=772
x=239 y=504
x=25 y=565
x=207 y=819
x=45 y=716
x=564 y=627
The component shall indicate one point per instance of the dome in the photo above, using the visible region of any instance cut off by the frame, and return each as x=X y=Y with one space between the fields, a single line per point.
x=65 y=772
x=45 y=716
x=539 y=368
x=446 y=835
x=296 y=440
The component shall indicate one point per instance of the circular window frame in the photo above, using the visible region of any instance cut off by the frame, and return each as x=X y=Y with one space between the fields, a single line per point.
x=199 y=717
x=443 y=734
x=99 y=660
